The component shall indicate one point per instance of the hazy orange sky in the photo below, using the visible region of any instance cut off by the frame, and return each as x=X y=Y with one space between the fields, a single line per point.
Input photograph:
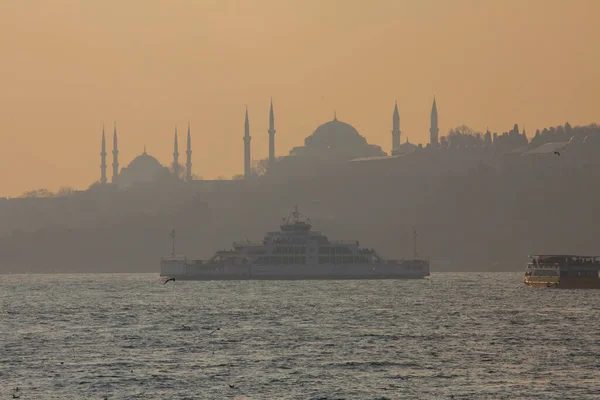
x=68 y=66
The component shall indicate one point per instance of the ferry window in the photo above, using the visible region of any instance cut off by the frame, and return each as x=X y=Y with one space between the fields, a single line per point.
x=545 y=272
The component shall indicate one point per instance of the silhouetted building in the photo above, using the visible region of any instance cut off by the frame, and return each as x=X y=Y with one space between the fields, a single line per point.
x=247 y=138
x=175 y=154
x=395 y=128
x=188 y=163
x=434 y=130
x=336 y=141
x=115 y=163
x=143 y=169
x=404 y=148
x=103 y=159
x=271 y=136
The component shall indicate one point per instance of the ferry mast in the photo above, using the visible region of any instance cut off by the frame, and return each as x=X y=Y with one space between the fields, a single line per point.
x=415 y=252
x=173 y=243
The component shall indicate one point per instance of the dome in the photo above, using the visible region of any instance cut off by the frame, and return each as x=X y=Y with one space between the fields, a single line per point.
x=143 y=168
x=335 y=133
x=404 y=148
x=145 y=161
x=336 y=141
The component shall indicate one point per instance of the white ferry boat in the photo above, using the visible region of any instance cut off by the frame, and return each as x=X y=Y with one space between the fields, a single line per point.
x=294 y=252
x=563 y=271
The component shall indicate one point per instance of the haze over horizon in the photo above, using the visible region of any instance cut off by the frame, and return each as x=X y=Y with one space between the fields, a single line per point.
x=70 y=66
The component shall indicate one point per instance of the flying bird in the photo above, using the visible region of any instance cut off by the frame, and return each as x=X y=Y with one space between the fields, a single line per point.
x=557 y=153
x=169 y=280
x=218 y=329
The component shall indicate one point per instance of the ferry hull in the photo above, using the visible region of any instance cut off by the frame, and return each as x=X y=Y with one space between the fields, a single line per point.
x=189 y=271
x=562 y=282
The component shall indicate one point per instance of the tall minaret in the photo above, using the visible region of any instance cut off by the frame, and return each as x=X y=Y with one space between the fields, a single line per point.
x=188 y=152
x=176 y=155
x=395 y=128
x=103 y=159
x=271 y=136
x=434 y=130
x=247 y=139
x=115 y=164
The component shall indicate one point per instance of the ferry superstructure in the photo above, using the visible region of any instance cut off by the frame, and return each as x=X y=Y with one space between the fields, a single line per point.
x=295 y=252
x=563 y=271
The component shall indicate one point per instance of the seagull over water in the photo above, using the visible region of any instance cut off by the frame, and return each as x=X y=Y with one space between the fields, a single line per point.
x=169 y=280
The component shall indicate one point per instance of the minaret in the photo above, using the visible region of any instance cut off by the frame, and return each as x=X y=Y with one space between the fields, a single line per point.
x=395 y=128
x=103 y=159
x=271 y=136
x=115 y=164
x=434 y=130
x=247 y=139
x=188 y=152
x=175 y=155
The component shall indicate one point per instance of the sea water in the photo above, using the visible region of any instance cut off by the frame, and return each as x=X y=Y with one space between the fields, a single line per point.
x=466 y=335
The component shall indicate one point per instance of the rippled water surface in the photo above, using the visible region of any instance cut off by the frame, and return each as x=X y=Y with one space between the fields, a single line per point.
x=471 y=336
